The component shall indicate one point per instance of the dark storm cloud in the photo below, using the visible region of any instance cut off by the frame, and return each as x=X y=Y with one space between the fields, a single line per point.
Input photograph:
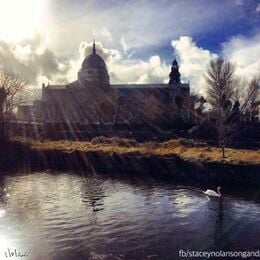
x=32 y=59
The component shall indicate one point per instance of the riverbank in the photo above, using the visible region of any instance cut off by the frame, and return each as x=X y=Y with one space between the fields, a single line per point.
x=184 y=148
x=182 y=160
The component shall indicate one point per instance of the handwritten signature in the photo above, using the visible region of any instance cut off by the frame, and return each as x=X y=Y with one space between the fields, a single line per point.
x=11 y=253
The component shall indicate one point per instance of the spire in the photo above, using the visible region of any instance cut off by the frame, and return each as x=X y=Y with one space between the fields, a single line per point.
x=174 y=76
x=94 y=47
x=175 y=63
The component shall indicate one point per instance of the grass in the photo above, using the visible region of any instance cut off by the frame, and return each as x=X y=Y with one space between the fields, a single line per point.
x=186 y=149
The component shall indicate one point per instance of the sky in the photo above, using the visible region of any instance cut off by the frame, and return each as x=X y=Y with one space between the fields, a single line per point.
x=47 y=40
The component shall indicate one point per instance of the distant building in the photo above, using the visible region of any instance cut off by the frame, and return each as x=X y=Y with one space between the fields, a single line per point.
x=92 y=99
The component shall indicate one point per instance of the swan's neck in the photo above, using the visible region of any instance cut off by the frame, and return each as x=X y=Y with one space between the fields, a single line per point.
x=219 y=192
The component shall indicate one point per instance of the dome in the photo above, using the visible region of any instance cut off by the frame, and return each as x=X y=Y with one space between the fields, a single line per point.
x=93 y=69
x=93 y=61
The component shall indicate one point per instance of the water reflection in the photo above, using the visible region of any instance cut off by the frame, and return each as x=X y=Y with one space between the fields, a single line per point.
x=219 y=223
x=93 y=194
x=64 y=216
x=2 y=192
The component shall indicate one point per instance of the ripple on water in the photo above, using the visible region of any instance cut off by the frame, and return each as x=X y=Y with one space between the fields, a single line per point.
x=65 y=216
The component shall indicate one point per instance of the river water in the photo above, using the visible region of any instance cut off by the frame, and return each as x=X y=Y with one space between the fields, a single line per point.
x=57 y=215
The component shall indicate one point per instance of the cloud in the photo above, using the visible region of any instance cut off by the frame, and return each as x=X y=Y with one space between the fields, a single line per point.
x=258 y=8
x=245 y=53
x=122 y=68
x=239 y=2
x=141 y=23
x=109 y=55
x=32 y=59
x=193 y=62
x=154 y=70
x=39 y=64
x=124 y=45
x=103 y=33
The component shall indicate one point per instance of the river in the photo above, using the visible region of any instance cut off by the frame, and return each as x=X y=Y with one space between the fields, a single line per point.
x=59 y=215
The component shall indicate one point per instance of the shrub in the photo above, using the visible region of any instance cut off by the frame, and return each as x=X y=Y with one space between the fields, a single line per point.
x=125 y=142
x=152 y=145
x=183 y=142
x=99 y=140
x=171 y=143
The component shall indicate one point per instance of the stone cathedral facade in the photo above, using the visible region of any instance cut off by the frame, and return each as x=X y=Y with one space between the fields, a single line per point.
x=92 y=99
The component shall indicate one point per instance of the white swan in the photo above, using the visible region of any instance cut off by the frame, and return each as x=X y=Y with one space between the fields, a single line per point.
x=213 y=193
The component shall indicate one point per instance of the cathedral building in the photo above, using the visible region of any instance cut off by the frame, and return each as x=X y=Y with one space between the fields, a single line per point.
x=92 y=99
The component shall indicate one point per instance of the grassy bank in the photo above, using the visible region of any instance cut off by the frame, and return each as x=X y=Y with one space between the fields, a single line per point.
x=179 y=160
x=185 y=149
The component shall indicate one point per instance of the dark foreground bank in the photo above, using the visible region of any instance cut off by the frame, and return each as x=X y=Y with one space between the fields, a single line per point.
x=165 y=167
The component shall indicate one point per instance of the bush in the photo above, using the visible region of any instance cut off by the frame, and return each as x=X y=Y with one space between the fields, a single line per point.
x=152 y=145
x=114 y=141
x=99 y=140
x=183 y=142
x=171 y=143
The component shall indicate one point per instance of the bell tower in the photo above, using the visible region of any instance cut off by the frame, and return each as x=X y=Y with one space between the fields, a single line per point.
x=174 y=76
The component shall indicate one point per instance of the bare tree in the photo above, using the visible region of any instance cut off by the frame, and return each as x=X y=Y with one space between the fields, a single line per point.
x=224 y=93
x=251 y=99
x=221 y=85
x=198 y=108
x=11 y=87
